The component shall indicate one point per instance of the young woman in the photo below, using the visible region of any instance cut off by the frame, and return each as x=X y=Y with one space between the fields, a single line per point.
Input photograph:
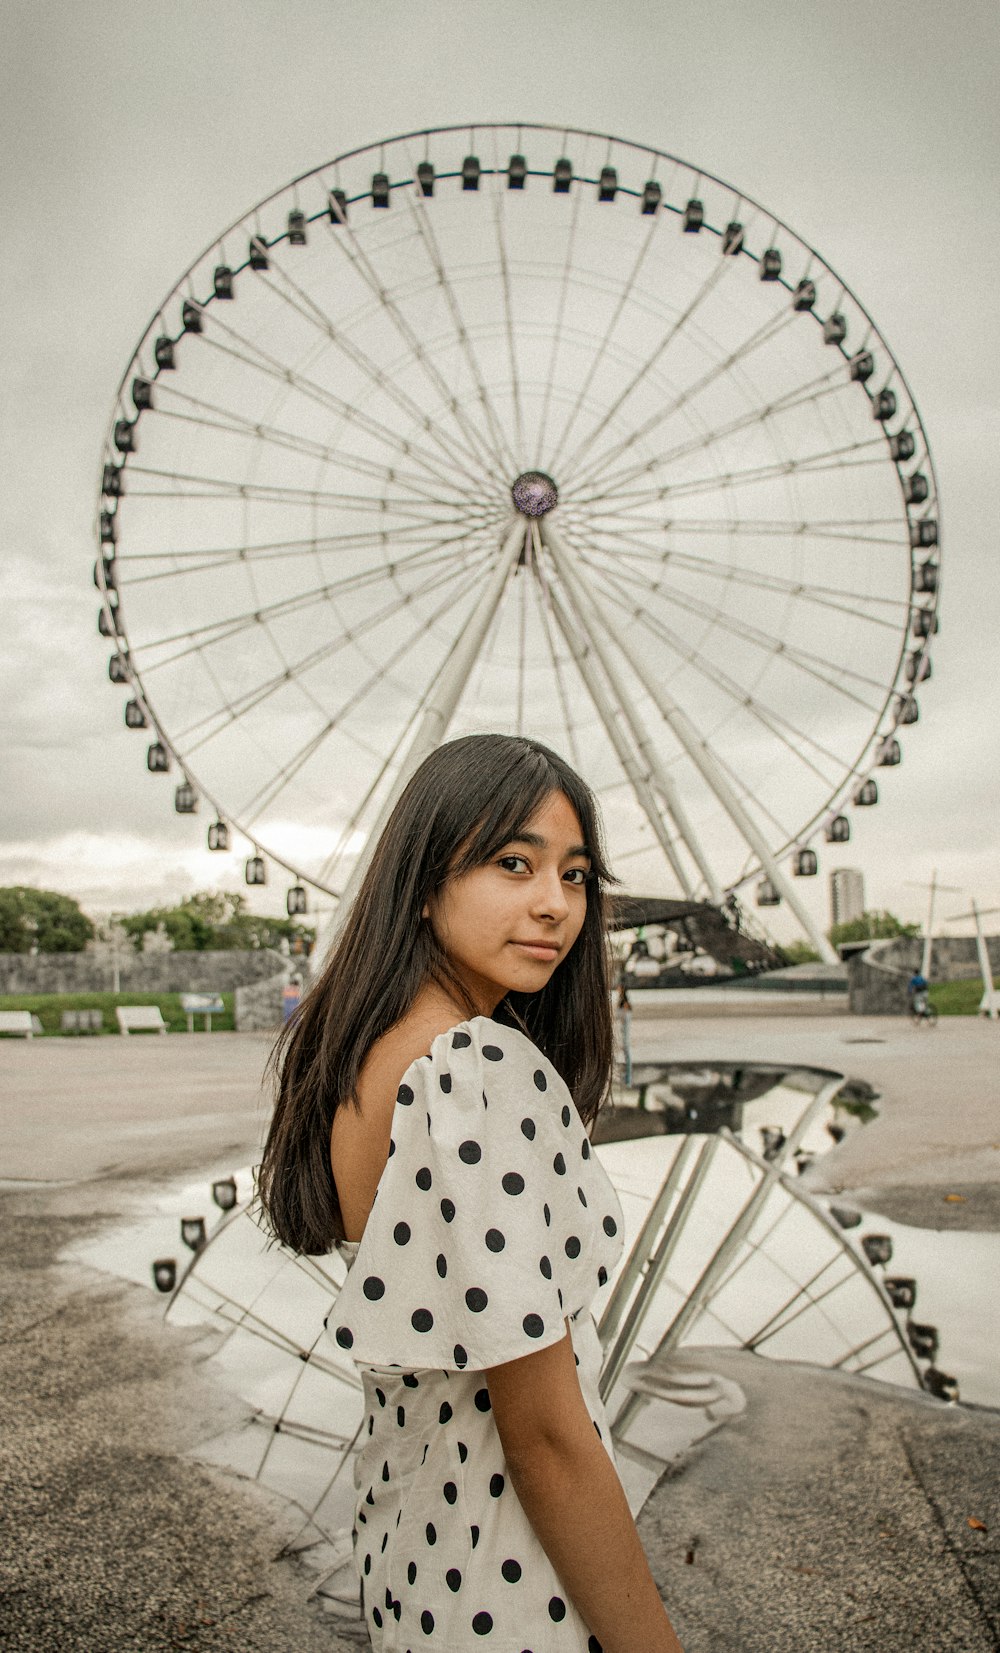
x=434 y=1090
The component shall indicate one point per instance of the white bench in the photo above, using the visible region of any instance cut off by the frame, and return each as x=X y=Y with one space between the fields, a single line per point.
x=201 y=1004
x=140 y=1018
x=19 y=1022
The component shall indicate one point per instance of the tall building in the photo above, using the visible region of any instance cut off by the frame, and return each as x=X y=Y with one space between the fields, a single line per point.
x=847 y=894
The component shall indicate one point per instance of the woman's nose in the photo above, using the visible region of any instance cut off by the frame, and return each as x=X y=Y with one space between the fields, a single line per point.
x=550 y=897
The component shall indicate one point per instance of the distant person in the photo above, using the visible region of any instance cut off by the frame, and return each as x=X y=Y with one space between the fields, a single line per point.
x=916 y=988
x=623 y=1022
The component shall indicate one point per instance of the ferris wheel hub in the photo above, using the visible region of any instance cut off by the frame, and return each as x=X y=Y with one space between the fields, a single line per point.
x=534 y=493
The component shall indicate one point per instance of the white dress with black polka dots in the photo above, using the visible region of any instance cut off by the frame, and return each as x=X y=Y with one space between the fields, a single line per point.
x=493 y=1224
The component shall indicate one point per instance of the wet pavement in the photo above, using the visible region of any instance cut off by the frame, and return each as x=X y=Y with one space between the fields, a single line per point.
x=834 y=1514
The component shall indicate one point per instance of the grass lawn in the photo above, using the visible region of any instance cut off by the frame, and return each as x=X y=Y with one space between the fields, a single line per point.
x=48 y=1007
x=959 y=998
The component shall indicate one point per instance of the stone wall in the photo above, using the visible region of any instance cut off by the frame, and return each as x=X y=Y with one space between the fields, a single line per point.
x=878 y=976
x=210 y=972
x=259 y=1007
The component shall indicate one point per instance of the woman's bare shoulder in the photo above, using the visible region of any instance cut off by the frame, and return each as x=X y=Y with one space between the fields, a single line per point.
x=390 y=1056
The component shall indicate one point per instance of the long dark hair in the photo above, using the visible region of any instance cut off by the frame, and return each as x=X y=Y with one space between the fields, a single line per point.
x=467 y=800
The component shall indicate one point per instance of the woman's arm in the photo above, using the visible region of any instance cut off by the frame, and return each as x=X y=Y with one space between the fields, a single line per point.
x=571 y=1493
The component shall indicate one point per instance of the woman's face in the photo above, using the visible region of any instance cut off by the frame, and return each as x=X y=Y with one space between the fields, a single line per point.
x=508 y=924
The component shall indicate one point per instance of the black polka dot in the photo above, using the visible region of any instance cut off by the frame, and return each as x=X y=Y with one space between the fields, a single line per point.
x=541 y=1083
x=483 y=1400
x=463 y=1452
x=445 y=1413
x=581 y=1196
x=511 y=1571
x=423 y=1178
x=610 y=1226
x=380 y=1397
x=392 y=1147
x=373 y=1288
x=547 y=1214
x=470 y=1153
x=533 y=1325
x=401 y=1417
x=453 y=1579
x=585 y=1148
x=401 y=1233
x=557 y=1609
x=559 y=1166
x=493 y=1053
x=476 y=1299
x=593 y=1645
x=545 y=1268
x=376 y=1615
x=371 y=1425
x=444 y=1080
x=460 y=1041
x=430 y=1533
x=565 y=1115
x=385 y=1472
x=512 y=1183
x=602 y=1276
x=528 y=1129
x=388 y=1600
x=404 y=1095
x=368 y=1563
x=474 y=1535
x=345 y=1337
x=459 y=1355
x=447 y=1211
x=421 y=1320
x=482 y=1624
x=497 y=1484
x=450 y=1491
x=495 y=1240
x=426 y=1622
x=410 y=1381
x=572 y=1246
x=411 y=1573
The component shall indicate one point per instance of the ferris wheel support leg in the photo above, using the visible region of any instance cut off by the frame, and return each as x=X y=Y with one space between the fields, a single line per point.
x=700 y=756
x=562 y=556
x=645 y=797
x=437 y=714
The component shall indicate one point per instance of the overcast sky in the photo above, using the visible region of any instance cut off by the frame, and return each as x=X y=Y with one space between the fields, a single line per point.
x=134 y=132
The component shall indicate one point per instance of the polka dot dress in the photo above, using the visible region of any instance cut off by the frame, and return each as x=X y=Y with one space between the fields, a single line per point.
x=493 y=1224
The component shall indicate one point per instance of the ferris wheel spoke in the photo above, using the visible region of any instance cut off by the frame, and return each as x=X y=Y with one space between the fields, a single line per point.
x=186 y=485
x=286 y=290
x=546 y=618
x=503 y=454
x=234 y=424
x=843 y=530
x=346 y=241
x=839 y=601
x=189 y=563
x=814 y=665
x=497 y=194
x=557 y=333
x=296 y=671
x=828 y=459
x=572 y=465
x=826 y=384
x=272 y=790
x=791 y=735
x=624 y=297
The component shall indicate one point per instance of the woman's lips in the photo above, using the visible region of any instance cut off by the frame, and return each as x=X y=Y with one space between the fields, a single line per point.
x=546 y=950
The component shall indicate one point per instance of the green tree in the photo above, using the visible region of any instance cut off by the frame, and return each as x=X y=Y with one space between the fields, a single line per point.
x=872 y=926
x=41 y=918
x=799 y=952
x=215 y=919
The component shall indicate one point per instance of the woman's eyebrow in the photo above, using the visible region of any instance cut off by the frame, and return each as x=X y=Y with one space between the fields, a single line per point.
x=536 y=841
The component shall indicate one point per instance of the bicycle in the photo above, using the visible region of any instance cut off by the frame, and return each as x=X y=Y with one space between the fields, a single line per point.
x=922 y=1012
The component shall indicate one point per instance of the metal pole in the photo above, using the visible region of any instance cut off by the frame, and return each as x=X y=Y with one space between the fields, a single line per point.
x=989 y=1004
x=441 y=706
x=562 y=556
x=925 y=962
x=700 y=756
x=606 y=711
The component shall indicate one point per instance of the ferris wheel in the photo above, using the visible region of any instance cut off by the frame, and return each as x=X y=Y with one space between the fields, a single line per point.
x=523 y=429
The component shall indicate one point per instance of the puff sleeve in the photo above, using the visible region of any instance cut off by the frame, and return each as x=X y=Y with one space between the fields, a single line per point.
x=493 y=1219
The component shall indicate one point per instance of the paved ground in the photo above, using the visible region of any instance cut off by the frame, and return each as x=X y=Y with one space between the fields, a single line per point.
x=834 y=1515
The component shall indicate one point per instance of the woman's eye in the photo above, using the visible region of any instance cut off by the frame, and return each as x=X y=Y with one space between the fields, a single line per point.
x=509 y=862
x=579 y=875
